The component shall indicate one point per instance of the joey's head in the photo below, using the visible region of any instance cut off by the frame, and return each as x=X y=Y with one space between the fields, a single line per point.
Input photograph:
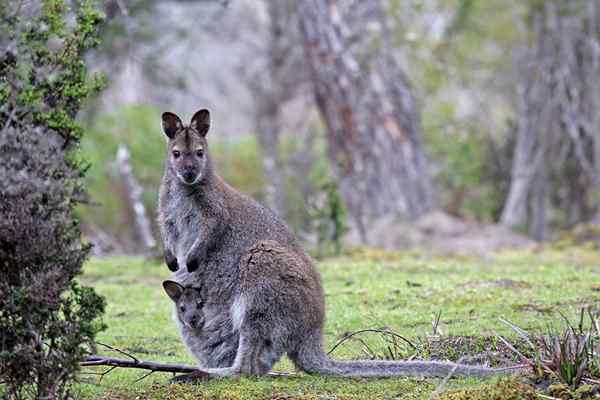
x=187 y=151
x=188 y=304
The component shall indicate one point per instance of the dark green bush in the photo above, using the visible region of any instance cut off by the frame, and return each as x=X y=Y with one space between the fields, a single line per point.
x=47 y=321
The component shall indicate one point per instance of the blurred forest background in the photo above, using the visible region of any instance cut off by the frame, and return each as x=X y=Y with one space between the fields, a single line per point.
x=459 y=125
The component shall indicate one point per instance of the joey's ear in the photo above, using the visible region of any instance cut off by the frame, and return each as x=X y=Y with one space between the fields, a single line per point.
x=173 y=289
x=171 y=124
x=201 y=122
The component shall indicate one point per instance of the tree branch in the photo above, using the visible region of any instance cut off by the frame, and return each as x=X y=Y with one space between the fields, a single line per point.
x=97 y=360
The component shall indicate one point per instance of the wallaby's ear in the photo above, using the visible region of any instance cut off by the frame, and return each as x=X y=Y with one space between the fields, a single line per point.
x=173 y=289
x=201 y=122
x=171 y=124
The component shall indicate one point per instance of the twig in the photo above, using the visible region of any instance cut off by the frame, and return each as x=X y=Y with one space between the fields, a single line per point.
x=119 y=351
x=519 y=331
x=514 y=350
x=436 y=323
x=10 y=119
x=382 y=331
x=543 y=396
x=144 y=376
x=101 y=374
x=443 y=383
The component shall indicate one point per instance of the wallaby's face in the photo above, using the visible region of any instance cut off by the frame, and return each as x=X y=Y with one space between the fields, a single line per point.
x=187 y=155
x=188 y=303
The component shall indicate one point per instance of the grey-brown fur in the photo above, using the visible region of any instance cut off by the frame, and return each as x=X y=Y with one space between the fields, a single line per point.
x=262 y=296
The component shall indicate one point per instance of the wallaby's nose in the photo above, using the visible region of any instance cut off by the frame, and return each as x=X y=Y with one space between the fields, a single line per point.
x=189 y=176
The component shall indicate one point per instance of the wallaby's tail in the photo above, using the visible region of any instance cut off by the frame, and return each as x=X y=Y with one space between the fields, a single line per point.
x=311 y=359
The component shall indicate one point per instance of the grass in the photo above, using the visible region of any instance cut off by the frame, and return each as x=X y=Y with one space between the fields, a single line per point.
x=367 y=289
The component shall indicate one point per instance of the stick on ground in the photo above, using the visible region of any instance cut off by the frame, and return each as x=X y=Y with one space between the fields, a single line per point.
x=97 y=360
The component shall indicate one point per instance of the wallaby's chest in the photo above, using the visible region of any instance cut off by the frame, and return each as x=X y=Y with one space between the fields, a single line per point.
x=183 y=219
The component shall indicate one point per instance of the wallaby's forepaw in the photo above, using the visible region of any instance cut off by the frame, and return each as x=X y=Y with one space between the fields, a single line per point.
x=192 y=264
x=193 y=377
x=171 y=261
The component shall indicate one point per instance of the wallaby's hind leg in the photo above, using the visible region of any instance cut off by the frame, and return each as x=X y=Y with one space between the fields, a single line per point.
x=190 y=378
x=256 y=356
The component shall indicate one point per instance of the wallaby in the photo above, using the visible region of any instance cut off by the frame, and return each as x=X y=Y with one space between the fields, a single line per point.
x=187 y=313
x=262 y=295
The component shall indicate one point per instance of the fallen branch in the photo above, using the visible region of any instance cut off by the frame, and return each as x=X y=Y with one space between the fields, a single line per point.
x=97 y=360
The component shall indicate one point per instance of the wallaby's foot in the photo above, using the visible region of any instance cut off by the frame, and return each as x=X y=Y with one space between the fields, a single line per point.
x=192 y=264
x=171 y=261
x=193 y=377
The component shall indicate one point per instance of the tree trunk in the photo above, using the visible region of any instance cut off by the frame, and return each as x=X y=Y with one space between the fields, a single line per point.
x=557 y=138
x=268 y=131
x=134 y=193
x=273 y=86
x=373 y=127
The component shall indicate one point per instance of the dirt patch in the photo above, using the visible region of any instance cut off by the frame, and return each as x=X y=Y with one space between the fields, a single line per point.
x=531 y=307
x=501 y=283
x=441 y=233
x=487 y=350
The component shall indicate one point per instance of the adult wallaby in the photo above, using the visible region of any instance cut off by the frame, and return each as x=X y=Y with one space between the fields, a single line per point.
x=262 y=294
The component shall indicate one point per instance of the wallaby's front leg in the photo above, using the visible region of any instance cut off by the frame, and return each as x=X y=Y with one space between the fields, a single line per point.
x=171 y=260
x=209 y=234
x=196 y=254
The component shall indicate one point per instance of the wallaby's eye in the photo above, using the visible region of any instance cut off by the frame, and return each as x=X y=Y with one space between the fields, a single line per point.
x=182 y=308
x=199 y=152
x=176 y=153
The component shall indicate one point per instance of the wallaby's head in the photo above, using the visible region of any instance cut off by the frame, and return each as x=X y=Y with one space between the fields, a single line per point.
x=188 y=303
x=187 y=155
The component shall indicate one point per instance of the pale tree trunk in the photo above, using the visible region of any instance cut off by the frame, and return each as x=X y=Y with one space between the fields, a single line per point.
x=134 y=193
x=373 y=127
x=557 y=152
x=273 y=86
x=268 y=130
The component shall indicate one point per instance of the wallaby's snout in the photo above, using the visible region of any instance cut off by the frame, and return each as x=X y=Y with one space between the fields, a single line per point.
x=186 y=156
x=189 y=175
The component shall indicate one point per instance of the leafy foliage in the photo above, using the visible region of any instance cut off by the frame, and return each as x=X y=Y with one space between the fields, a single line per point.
x=46 y=318
x=329 y=216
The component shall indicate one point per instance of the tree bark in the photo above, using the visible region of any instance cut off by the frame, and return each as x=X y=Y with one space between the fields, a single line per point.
x=373 y=127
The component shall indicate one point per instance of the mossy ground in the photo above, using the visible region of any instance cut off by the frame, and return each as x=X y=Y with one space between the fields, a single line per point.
x=367 y=289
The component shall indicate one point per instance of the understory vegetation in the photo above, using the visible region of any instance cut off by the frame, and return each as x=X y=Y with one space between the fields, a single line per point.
x=448 y=308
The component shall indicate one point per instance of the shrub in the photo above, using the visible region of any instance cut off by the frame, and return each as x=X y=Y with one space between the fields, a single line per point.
x=47 y=320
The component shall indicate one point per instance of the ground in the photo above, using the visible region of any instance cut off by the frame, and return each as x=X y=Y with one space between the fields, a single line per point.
x=403 y=292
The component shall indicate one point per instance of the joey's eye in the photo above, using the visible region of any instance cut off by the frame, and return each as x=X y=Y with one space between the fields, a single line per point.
x=199 y=153
x=176 y=153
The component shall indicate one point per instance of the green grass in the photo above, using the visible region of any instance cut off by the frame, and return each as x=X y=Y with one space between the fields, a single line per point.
x=366 y=290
